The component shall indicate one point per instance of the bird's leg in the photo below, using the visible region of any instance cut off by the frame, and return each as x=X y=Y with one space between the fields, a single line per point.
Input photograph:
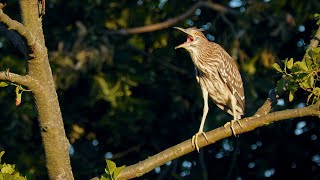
x=235 y=116
x=204 y=115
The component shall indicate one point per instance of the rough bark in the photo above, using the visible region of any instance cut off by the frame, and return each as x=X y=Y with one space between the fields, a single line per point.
x=40 y=81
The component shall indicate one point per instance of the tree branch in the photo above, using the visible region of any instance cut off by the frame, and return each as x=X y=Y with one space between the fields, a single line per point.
x=171 y=22
x=21 y=29
x=248 y=124
x=16 y=78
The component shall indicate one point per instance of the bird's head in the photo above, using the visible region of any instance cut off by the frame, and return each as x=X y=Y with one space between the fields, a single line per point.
x=194 y=38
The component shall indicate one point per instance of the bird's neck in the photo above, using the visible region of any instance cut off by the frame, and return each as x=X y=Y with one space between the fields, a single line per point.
x=201 y=54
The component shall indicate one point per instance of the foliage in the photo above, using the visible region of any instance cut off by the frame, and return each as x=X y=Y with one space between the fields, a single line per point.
x=302 y=74
x=8 y=172
x=112 y=171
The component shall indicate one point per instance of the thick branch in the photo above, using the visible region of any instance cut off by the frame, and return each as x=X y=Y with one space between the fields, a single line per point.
x=248 y=124
x=171 y=22
x=16 y=78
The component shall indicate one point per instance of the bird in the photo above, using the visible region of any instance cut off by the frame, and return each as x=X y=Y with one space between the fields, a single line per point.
x=218 y=76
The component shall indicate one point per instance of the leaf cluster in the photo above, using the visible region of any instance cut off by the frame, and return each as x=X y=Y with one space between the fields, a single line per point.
x=8 y=172
x=112 y=171
x=302 y=74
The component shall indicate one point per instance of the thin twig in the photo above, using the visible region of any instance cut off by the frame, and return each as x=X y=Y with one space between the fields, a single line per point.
x=171 y=22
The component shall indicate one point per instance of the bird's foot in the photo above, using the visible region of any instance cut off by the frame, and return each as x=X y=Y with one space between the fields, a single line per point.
x=194 y=139
x=231 y=125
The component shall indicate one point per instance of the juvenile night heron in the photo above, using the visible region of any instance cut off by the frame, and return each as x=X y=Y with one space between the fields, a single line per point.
x=218 y=76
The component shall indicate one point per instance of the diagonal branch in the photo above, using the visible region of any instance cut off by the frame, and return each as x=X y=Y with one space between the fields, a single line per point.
x=171 y=22
x=248 y=124
x=20 y=28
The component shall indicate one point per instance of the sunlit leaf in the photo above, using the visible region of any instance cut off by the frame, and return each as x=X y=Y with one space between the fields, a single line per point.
x=301 y=65
x=290 y=63
x=117 y=171
x=304 y=84
x=105 y=178
x=309 y=63
x=311 y=81
x=316 y=91
x=111 y=167
x=1 y=154
x=291 y=96
x=277 y=67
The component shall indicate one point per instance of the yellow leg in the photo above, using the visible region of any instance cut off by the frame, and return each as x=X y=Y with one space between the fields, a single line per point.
x=194 y=139
x=235 y=117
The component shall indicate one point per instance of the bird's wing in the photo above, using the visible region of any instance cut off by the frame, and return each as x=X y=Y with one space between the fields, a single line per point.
x=229 y=73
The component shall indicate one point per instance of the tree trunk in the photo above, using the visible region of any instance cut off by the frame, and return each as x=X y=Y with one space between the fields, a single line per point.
x=55 y=142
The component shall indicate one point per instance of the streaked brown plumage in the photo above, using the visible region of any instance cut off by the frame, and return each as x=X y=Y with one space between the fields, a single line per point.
x=217 y=74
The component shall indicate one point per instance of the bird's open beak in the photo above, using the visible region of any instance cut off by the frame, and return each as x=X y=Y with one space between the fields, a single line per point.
x=189 y=39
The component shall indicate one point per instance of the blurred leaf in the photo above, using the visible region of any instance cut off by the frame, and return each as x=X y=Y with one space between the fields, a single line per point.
x=291 y=96
x=3 y=84
x=281 y=85
x=1 y=154
x=7 y=168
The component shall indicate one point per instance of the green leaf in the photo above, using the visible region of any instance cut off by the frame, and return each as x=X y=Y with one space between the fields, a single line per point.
x=311 y=81
x=1 y=154
x=117 y=171
x=290 y=63
x=281 y=85
x=309 y=63
x=316 y=91
x=291 y=96
x=3 y=84
x=105 y=178
x=301 y=65
x=111 y=167
x=304 y=84
x=277 y=67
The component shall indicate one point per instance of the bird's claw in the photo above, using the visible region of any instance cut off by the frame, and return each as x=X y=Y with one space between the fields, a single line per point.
x=194 y=139
x=231 y=126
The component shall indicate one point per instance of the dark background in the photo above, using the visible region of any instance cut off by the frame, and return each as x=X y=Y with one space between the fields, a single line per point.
x=129 y=97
